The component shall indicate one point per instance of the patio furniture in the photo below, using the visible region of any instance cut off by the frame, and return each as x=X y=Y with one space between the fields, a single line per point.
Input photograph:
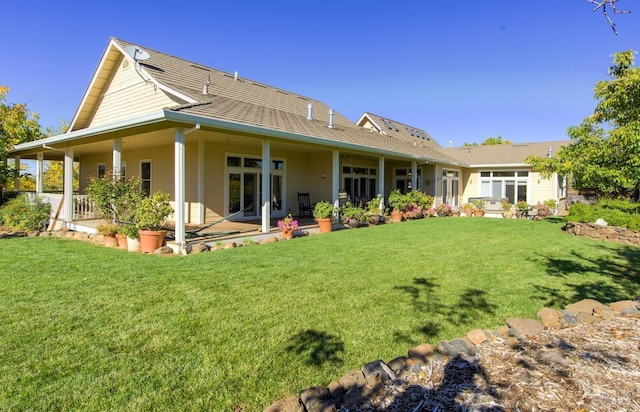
x=304 y=205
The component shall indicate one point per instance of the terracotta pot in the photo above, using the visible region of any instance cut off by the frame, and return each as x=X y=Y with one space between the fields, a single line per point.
x=325 y=224
x=468 y=212
x=543 y=212
x=122 y=241
x=110 y=241
x=150 y=240
x=396 y=216
x=507 y=214
x=287 y=234
x=478 y=212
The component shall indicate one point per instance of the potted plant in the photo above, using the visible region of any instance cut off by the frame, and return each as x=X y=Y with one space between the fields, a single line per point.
x=352 y=215
x=374 y=210
x=522 y=209
x=444 y=210
x=478 y=205
x=398 y=203
x=551 y=203
x=150 y=216
x=288 y=226
x=133 y=238
x=543 y=210
x=108 y=232
x=507 y=213
x=468 y=209
x=323 y=212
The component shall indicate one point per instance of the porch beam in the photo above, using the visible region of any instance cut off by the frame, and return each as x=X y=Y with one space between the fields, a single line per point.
x=266 y=187
x=67 y=197
x=39 y=172
x=381 y=176
x=201 y=182
x=16 y=179
x=414 y=175
x=179 y=189
x=116 y=167
x=335 y=175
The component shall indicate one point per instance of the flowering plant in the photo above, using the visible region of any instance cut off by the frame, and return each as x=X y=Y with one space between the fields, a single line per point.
x=288 y=224
x=444 y=209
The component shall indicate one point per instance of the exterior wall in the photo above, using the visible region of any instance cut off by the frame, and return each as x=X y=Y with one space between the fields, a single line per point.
x=128 y=95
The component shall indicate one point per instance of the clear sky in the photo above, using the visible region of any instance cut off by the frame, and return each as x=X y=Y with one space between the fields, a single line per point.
x=461 y=70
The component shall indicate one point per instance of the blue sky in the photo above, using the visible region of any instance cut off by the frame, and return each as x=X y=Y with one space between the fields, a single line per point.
x=461 y=70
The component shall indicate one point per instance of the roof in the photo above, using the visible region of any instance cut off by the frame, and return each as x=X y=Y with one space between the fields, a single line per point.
x=503 y=154
x=399 y=130
x=234 y=98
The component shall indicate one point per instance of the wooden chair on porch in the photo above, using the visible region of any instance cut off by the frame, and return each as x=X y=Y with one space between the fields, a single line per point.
x=305 y=208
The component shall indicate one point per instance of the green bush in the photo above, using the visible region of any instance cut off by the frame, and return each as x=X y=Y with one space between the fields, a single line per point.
x=615 y=212
x=22 y=213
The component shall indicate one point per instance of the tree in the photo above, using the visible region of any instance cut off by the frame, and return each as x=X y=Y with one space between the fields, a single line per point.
x=489 y=141
x=17 y=125
x=604 y=156
x=602 y=5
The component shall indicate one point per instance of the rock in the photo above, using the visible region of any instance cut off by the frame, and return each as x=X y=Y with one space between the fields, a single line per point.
x=585 y=305
x=317 y=399
x=622 y=305
x=335 y=389
x=632 y=312
x=199 y=248
x=477 y=336
x=44 y=234
x=525 y=327
x=291 y=404
x=229 y=245
x=352 y=379
x=456 y=347
x=503 y=331
x=33 y=233
x=269 y=240
x=377 y=372
x=601 y=222
x=164 y=250
x=568 y=318
x=555 y=357
x=549 y=318
x=421 y=353
x=398 y=364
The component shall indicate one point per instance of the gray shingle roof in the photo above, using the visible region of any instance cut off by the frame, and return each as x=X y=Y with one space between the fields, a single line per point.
x=253 y=103
x=503 y=154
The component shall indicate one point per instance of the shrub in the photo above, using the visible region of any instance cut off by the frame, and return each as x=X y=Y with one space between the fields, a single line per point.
x=23 y=213
x=615 y=212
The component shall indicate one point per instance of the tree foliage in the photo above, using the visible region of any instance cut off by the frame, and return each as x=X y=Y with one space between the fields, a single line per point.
x=17 y=125
x=489 y=141
x=604 y=156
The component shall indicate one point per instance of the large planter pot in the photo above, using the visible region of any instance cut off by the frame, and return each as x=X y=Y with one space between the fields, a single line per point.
x=353 y=223
x=324 y=224
x=287 y=234
x=543 y=212
x=396 y=216
x=478 y=212
x=374 y=219
x=110 y=241
x=150 y=240
x=468 y=212
x=507 y=214
x=122 y=241
x=133 y=245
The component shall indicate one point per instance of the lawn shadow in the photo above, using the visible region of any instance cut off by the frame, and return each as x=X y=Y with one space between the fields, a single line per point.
x=428 y=305
x=460 y=376
x=621 y=267
x=319 y=347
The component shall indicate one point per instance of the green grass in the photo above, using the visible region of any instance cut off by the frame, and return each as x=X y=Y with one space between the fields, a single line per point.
x=84 y=327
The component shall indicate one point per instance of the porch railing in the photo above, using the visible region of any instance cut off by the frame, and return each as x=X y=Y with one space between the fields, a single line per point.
x=83 y=207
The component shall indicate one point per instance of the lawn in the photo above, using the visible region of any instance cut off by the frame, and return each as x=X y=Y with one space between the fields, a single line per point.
x=83 y=327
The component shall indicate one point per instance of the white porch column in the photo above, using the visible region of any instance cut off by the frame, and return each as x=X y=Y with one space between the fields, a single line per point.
x=67 y=197
x=39 y=172
x=414 y=175
x=381 y=176
x=266 y=187
x=117 y=157
x=335 y=175
x=16 y=180
x=201 y=182
x=179 y=189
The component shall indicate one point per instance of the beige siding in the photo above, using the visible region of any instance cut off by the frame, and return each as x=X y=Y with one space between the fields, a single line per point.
x=544 y=190
x=127 y=96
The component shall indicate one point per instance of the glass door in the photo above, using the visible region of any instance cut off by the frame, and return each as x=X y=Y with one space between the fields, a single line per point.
x=252 y=196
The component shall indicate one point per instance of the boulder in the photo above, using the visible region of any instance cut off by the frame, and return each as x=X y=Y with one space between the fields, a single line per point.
x=525 y=327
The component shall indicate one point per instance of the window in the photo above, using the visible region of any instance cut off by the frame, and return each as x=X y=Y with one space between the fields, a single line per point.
x=510 y=184
x=145 y=176
x=102 y=170
x=402 y=180
x=359 y=182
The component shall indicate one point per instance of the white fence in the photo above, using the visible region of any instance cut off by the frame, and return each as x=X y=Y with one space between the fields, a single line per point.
x=83 y=207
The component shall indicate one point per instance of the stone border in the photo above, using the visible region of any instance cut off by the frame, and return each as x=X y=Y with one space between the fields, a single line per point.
x=360 y=386
x=607 y=233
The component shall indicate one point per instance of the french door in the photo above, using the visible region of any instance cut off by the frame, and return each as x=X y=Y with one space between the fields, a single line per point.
x=244 y=187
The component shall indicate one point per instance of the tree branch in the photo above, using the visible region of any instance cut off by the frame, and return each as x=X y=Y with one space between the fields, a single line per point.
x=602 y=4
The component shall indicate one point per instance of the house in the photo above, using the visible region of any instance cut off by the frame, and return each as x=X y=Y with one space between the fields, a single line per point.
x=217 y=142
